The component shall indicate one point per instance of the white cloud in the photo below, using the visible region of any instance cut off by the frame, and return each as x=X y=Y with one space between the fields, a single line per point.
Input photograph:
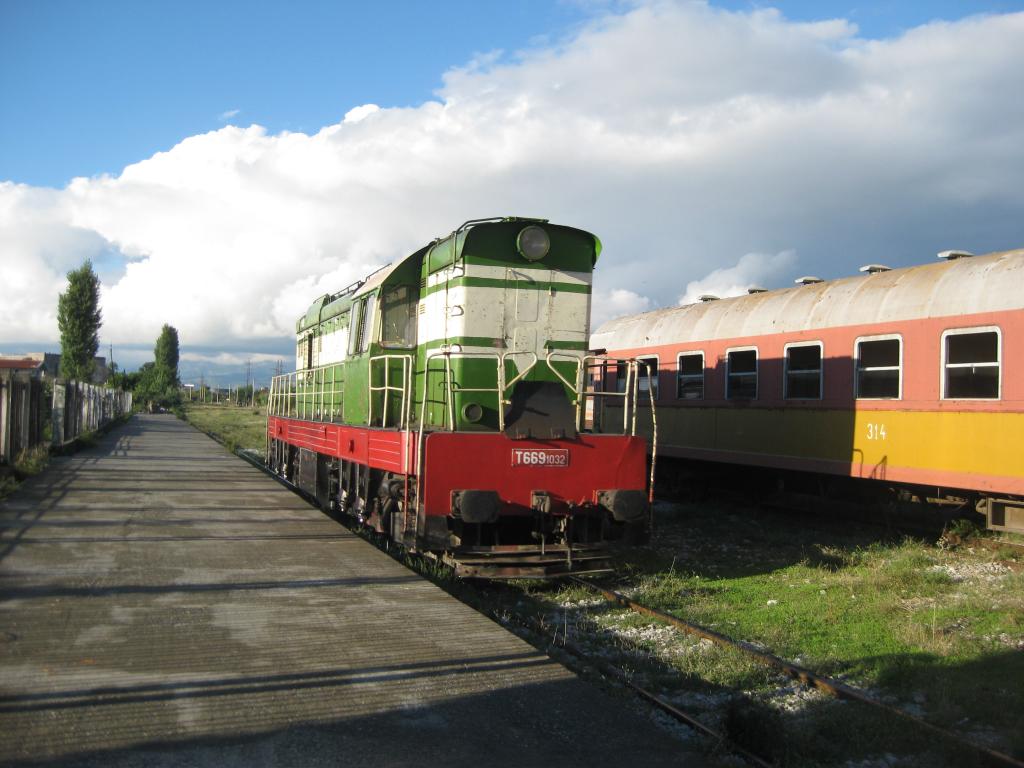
x=228 y=114
x=356 y=114
x=683 y=135
x=229 y=358
x=617 y=302
x=753 y=269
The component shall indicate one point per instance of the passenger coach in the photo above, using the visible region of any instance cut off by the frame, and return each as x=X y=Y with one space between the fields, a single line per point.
x=910 y=378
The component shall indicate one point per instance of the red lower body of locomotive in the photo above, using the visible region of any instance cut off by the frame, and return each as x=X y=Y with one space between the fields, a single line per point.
x=489 y=504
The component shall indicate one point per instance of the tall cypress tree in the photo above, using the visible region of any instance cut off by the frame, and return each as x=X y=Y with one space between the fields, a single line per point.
x=79 y=319
x=166 y=354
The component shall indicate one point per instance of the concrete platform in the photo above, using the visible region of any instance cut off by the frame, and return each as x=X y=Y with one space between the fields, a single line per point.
x=164 y=603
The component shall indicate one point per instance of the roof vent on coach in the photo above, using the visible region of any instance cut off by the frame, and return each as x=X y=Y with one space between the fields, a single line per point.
x=808 y=280
x=872 y=269
x=951 y=255
x=706 y=297
x=756 y=289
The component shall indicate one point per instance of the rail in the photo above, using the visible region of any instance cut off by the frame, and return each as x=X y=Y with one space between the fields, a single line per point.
x=823 y=683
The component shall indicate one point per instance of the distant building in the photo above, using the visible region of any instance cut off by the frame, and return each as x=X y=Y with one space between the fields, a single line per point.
x=46 y=365
x=10 y=364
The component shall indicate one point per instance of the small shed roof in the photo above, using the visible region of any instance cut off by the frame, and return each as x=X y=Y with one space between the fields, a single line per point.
x=19 y=364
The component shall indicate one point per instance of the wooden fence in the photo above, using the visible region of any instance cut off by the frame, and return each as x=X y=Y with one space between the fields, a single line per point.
x=79 y=407
x=24 y=412
x=27 y=410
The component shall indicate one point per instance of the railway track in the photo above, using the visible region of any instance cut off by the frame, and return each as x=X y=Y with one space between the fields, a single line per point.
x=622 y=678
x=806 y=676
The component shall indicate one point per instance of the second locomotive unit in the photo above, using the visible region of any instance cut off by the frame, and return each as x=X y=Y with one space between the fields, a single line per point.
x=443 y=402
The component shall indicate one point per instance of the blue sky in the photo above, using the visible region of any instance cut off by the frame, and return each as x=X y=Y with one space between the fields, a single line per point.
x=131 y=78
x=90 y=87
x=222 y=164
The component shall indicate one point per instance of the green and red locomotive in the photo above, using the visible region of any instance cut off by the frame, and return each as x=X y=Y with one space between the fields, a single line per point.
x=444 y=400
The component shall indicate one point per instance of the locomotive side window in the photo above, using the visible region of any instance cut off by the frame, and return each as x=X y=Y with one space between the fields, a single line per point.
x=690 y=376
x=647 y=378
x=803 y=371
x=971 y=364
x=398 y=318
x=741 y=380
x=355 y=329
x=879 y=368
x=366 y=322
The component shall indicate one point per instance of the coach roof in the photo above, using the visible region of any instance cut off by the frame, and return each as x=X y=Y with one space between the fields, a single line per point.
x=965 y=286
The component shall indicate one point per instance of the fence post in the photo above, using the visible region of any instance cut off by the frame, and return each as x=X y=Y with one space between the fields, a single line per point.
x=5 y=419
x=35 y=432
x=23 y=394
x=72 y=414
x=57 y=414
x=78 y=411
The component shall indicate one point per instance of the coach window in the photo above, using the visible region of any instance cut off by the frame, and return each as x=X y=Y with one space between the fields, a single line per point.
x=879 y=368
x=741 y=378
x=803 y=371
x=647 y=378
x=621 y=373
x=971 y=360
x=690 y=376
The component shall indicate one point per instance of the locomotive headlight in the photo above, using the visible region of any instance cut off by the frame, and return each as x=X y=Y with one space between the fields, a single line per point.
x=533 y=243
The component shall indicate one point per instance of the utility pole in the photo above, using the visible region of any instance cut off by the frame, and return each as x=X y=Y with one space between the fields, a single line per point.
x=248 y=373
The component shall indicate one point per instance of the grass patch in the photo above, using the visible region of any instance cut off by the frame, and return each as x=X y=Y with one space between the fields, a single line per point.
x=32 y=461
x=29 y=462
x=938 y=632
x=238 y=428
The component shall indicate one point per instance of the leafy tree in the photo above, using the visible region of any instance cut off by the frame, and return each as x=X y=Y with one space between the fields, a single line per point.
x=79 y=319
x=157 y=383
x=126 y=380
x=166 y=353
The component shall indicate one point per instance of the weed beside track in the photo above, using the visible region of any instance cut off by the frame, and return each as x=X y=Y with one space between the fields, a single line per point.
x=236 y=427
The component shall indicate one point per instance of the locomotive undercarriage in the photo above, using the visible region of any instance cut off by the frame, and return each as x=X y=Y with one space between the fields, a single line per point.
x=527 y=543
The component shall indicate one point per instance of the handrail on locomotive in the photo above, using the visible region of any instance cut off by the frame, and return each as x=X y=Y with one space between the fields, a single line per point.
x=310 y=386
x=405 y=407
x=316 y=394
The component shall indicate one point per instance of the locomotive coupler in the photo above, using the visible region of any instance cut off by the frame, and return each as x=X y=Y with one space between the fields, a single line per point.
x=540 y=503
